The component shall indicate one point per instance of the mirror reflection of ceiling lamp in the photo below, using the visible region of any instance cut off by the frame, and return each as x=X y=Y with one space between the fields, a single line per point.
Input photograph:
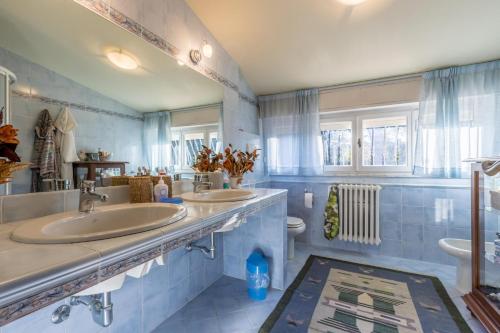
x=122 y=60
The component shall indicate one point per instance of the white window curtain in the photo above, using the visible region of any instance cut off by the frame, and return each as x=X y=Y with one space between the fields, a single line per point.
x=157 y=140
x=459 y=112
x=292 y=135
x=220 y=130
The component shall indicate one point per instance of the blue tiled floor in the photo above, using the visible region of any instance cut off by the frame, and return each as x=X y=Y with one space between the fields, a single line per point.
x=225 y=308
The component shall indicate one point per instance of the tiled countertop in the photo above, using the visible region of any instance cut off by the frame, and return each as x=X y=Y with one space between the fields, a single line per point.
x=33 y=276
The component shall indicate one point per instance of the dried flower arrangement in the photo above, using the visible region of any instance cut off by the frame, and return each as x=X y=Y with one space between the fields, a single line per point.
x=237 y=162
x=9 y=160
x=207 y=161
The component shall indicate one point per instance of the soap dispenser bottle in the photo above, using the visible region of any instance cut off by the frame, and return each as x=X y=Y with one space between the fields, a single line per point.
x=160 y=190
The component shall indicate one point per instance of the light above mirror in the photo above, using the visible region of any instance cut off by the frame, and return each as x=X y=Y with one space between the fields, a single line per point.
x=122 y=60
x=351 y=2
x=207 y=50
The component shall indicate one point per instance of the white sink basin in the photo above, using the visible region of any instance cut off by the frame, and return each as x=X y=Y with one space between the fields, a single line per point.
x=105 y=222
x=219 y=196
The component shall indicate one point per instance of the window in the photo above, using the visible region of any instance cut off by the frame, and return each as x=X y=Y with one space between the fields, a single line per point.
x=187 y=141
x=369 y=140
x=337 y=143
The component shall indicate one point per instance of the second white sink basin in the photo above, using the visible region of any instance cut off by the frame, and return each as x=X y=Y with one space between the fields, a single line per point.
x=219 y=195
x=105 y=222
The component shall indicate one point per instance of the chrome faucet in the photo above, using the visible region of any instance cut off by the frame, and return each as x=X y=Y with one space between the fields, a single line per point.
x=88 y=196
x=200 y=181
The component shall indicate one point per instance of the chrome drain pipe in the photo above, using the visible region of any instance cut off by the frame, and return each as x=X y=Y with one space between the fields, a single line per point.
x=209 y=252
x=99 y=305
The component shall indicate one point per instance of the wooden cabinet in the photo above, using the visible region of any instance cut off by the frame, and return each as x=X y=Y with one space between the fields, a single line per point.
x=93 y=166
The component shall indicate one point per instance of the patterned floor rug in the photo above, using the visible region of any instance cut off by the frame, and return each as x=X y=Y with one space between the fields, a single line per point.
x=331 y=295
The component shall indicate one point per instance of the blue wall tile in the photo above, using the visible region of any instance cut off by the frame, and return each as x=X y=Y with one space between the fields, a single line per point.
x=413 y=215
x=390 y=213
x=390 y=230
x=412 y=233
x=413 y=196
x=434 y=197
x=391 y=195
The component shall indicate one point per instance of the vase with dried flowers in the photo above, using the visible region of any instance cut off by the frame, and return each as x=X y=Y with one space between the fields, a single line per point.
x=9 y=160
x=237 y=163
x=210 y=163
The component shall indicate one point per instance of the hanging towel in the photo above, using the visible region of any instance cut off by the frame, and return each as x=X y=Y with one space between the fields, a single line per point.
x=65 y=138
x=45 y=153
x=331 y=227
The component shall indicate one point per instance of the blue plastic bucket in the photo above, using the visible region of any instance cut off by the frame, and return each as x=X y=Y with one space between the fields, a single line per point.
x=257 y=276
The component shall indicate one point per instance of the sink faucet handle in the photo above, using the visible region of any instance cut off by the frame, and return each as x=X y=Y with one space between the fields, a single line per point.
x=87 y=186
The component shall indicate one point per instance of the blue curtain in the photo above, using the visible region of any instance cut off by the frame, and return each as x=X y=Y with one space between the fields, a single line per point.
x=292 y=135
x=157 y=140
x=459 y=112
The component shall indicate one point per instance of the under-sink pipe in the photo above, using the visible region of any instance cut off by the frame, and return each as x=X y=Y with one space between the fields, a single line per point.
x=99 y=305
x=209 y=252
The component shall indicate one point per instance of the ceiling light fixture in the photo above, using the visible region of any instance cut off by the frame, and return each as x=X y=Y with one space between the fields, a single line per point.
x=207 y=49
x=122 y=60
x=351 y=2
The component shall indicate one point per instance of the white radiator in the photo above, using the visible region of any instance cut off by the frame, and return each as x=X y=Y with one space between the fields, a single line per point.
x=359 y=213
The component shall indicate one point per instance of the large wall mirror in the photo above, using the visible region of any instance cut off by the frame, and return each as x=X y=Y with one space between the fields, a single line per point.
x=66 y=78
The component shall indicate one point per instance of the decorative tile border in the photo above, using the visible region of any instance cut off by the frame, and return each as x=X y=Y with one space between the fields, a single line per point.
x=103 y=9
x=28 y=305
x=77 y=106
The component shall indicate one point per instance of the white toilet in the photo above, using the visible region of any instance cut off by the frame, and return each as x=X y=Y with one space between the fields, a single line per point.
x=295 y=227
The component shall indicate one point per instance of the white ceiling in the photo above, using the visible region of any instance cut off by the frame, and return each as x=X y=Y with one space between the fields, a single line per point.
x=289 y=44
x=71 y=40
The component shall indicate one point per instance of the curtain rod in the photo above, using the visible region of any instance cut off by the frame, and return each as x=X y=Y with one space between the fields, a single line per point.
x=354 y=83
x=192 y=108
x=372 y=81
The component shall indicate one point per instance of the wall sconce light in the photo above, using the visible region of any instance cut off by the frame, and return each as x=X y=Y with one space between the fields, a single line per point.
x=207 y=49
x=195 y=56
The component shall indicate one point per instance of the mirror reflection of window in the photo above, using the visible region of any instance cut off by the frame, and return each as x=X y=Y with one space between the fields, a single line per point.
x=187 y=141
x=193 y=143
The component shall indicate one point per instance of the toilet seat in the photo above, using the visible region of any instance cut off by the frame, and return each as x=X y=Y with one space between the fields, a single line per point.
x=294 y=222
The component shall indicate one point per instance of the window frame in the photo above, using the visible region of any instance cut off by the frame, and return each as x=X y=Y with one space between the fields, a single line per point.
x=181 y=131
x=356 y=117
x=342 y=118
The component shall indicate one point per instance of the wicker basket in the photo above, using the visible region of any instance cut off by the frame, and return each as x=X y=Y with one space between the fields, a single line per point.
x=167 y=180
x=119 y=180
x=141 y=189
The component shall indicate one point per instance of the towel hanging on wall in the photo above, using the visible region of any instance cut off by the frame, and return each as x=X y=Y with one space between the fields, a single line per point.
x=65 y=124
x=45 y=156
x=331 y=227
